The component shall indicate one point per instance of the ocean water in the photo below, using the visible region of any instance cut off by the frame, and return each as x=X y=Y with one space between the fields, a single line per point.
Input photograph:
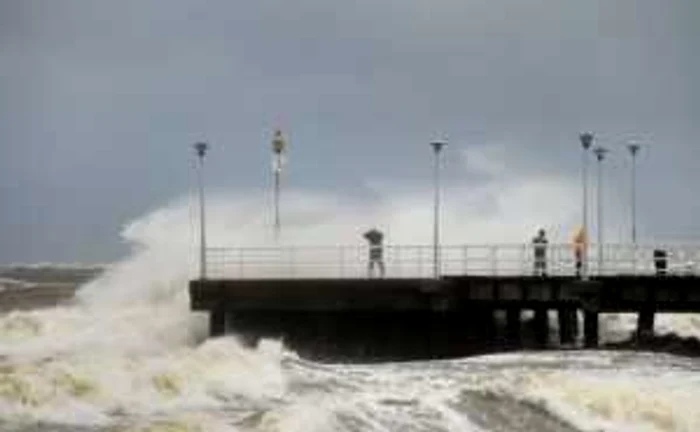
x=220 y=386
x=128 y=355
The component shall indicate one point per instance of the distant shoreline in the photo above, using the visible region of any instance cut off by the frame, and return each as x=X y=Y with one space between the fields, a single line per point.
x=51 y=273
x=39 y=286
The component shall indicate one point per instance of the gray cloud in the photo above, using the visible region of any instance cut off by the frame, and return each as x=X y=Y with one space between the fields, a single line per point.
x=104 y=98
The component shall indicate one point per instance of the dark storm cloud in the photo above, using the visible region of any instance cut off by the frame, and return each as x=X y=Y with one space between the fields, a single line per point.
x=101 y=100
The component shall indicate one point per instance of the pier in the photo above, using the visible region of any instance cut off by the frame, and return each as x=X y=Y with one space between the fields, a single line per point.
x=322 y=300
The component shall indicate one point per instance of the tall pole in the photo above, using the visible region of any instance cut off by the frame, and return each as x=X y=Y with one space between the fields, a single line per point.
x=437 y=147
x=201 y=149
x=634 y=149
x=586 y=139
x=278 y=147
x=600 y=153
x=278 y=223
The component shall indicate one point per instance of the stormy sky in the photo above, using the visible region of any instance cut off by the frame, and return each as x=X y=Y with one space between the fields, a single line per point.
x=100 y=102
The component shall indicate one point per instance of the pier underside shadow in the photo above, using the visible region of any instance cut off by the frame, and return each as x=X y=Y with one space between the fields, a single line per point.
x=344 y=319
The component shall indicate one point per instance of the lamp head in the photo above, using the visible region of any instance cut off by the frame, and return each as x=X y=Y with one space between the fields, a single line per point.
x=201 y=148
x=600 y=152
x=438 y=145
x=633 y=148
x=586 y=140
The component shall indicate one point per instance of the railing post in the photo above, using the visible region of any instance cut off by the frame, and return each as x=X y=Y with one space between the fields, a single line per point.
x=465 y=259
x=292 y=261
x=208 y=256
x=494 y=260
x=566 y=259
x=419 y=253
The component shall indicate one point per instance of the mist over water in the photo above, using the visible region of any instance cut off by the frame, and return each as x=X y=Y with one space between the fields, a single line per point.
x=129 y=355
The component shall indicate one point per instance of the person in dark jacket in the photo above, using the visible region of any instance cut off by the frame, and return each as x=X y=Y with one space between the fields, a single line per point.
x=376 y=252
x=539 y=245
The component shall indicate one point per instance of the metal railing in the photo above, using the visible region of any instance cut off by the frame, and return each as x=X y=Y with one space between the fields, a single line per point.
x=415 y=261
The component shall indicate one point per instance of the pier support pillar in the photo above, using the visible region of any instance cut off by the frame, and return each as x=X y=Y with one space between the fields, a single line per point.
x=513 y=325
x=568 y=325
x=590 y=328
x=217 y=321
x=645 y=324
x=490 y=325
x=248 y=339
x=541 y=325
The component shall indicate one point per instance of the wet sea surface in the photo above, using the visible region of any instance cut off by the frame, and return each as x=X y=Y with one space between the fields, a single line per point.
x=220 y=386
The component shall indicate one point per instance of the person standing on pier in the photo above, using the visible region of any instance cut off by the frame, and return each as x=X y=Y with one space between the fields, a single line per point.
x=376 y=252
x=539 y=244
x=579 y=241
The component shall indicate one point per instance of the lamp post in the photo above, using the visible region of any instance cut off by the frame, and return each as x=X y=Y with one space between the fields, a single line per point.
x=586 y=139
x=634 y=150
x=201 y=149
x=600 y=153
x=437 y=148
x=278 y=147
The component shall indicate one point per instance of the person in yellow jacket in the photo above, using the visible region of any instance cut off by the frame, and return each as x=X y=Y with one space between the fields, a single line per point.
x=580 y=241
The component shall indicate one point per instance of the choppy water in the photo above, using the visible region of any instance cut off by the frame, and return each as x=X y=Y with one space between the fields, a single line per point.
x=219 y=386
x=130 y=356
